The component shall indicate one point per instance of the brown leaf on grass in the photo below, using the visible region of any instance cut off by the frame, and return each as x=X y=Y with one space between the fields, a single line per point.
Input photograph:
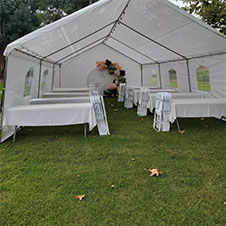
x=80 y=197
x=133 y=159
x=181 y=131
x=225 y=203
x=202 y=119
x=78 y=175
x=112 y=105
x=155 y=172
x=116 y=109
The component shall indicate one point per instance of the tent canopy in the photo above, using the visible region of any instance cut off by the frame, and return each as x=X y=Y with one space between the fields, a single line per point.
x=149 y=39
x=147 y=31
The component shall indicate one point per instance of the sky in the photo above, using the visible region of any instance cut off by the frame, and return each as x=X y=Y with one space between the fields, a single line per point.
x=178 y=3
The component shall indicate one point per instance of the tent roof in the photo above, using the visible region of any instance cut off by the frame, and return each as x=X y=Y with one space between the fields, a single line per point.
x=146 y=31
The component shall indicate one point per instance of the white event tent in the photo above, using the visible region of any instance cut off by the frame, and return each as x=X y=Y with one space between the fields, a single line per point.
x=141 y=35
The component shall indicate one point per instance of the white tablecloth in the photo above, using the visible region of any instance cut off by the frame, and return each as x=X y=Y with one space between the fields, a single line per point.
x=151 y=91
x=75 y=94
x=195 y=108
x=69 y=90
x=152 y=98
x=51 y=115
x=60 y=100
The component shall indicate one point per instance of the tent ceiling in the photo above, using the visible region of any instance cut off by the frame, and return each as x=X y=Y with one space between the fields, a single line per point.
x=145 y=31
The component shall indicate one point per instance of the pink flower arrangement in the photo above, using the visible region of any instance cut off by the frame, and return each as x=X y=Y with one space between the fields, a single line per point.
x=101 y=65
x=117 y=66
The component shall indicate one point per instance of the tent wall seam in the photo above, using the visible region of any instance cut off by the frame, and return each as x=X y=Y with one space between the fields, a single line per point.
x=160 y=76
x=152 y=40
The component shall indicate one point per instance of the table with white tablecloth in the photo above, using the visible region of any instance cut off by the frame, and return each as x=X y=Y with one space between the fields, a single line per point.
x=152 y=98
x=65 y=94
x=70 y=90
x=151 y=91
x=51 y=115
x=195 y=108
x=60 y=100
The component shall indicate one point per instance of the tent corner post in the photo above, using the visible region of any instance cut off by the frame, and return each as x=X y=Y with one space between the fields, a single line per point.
x=39 y=79
x=189 y=76
x=53 y=74
x=160 y=76
x=3 y=97
x=142 y=75
x=60 y=76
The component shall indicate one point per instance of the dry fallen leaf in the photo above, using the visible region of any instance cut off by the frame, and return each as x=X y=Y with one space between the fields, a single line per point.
x=112 y=186
x=155 y=172
x=132 y=159
x=115 y=109
x=78 y=175
x=225 y=203
x=112 y=105
x=202 y=119
x=181 y=131
x=80 y=197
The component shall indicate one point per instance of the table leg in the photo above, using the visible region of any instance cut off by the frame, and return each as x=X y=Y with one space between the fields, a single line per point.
x=14 y=135
x=85 y=130
x=178 y=125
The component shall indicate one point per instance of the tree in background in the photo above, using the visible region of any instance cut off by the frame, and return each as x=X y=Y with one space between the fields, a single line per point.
x=213 y=12
x=20 y=17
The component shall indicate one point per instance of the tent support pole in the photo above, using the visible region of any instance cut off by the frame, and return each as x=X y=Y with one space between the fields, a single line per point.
x=189 y=76
x=60 y=76
x=3 y=98
x=160 y=76
x=100 y=29
x=134 y=49
x=152 y=40
x=122 y=53
x=80 y=49
x=53 y=74
x=142 y=75
x=117 y=21
x=81 y=53
x=39 y=79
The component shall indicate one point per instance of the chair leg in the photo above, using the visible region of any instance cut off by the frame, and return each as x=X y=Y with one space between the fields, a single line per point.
x=178 y=125
x=14 y=135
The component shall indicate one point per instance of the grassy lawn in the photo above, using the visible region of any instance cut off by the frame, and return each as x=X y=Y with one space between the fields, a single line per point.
x=41 y=174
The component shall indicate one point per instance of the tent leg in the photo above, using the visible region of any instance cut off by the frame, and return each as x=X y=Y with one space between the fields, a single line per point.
x=178 y=125
x=14 y=135
x=85 y=130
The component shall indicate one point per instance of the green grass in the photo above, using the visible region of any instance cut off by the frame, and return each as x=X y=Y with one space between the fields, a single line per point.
x=39 y=174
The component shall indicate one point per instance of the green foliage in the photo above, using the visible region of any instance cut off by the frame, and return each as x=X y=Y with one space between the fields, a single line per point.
x=17 y=19
x=212 y=12
x=43 y=171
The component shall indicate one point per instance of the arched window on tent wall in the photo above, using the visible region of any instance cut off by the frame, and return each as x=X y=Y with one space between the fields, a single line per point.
x=154 y=77
x=203 y=78
x=28 y=82
x=173 y=78
x=44 y=79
